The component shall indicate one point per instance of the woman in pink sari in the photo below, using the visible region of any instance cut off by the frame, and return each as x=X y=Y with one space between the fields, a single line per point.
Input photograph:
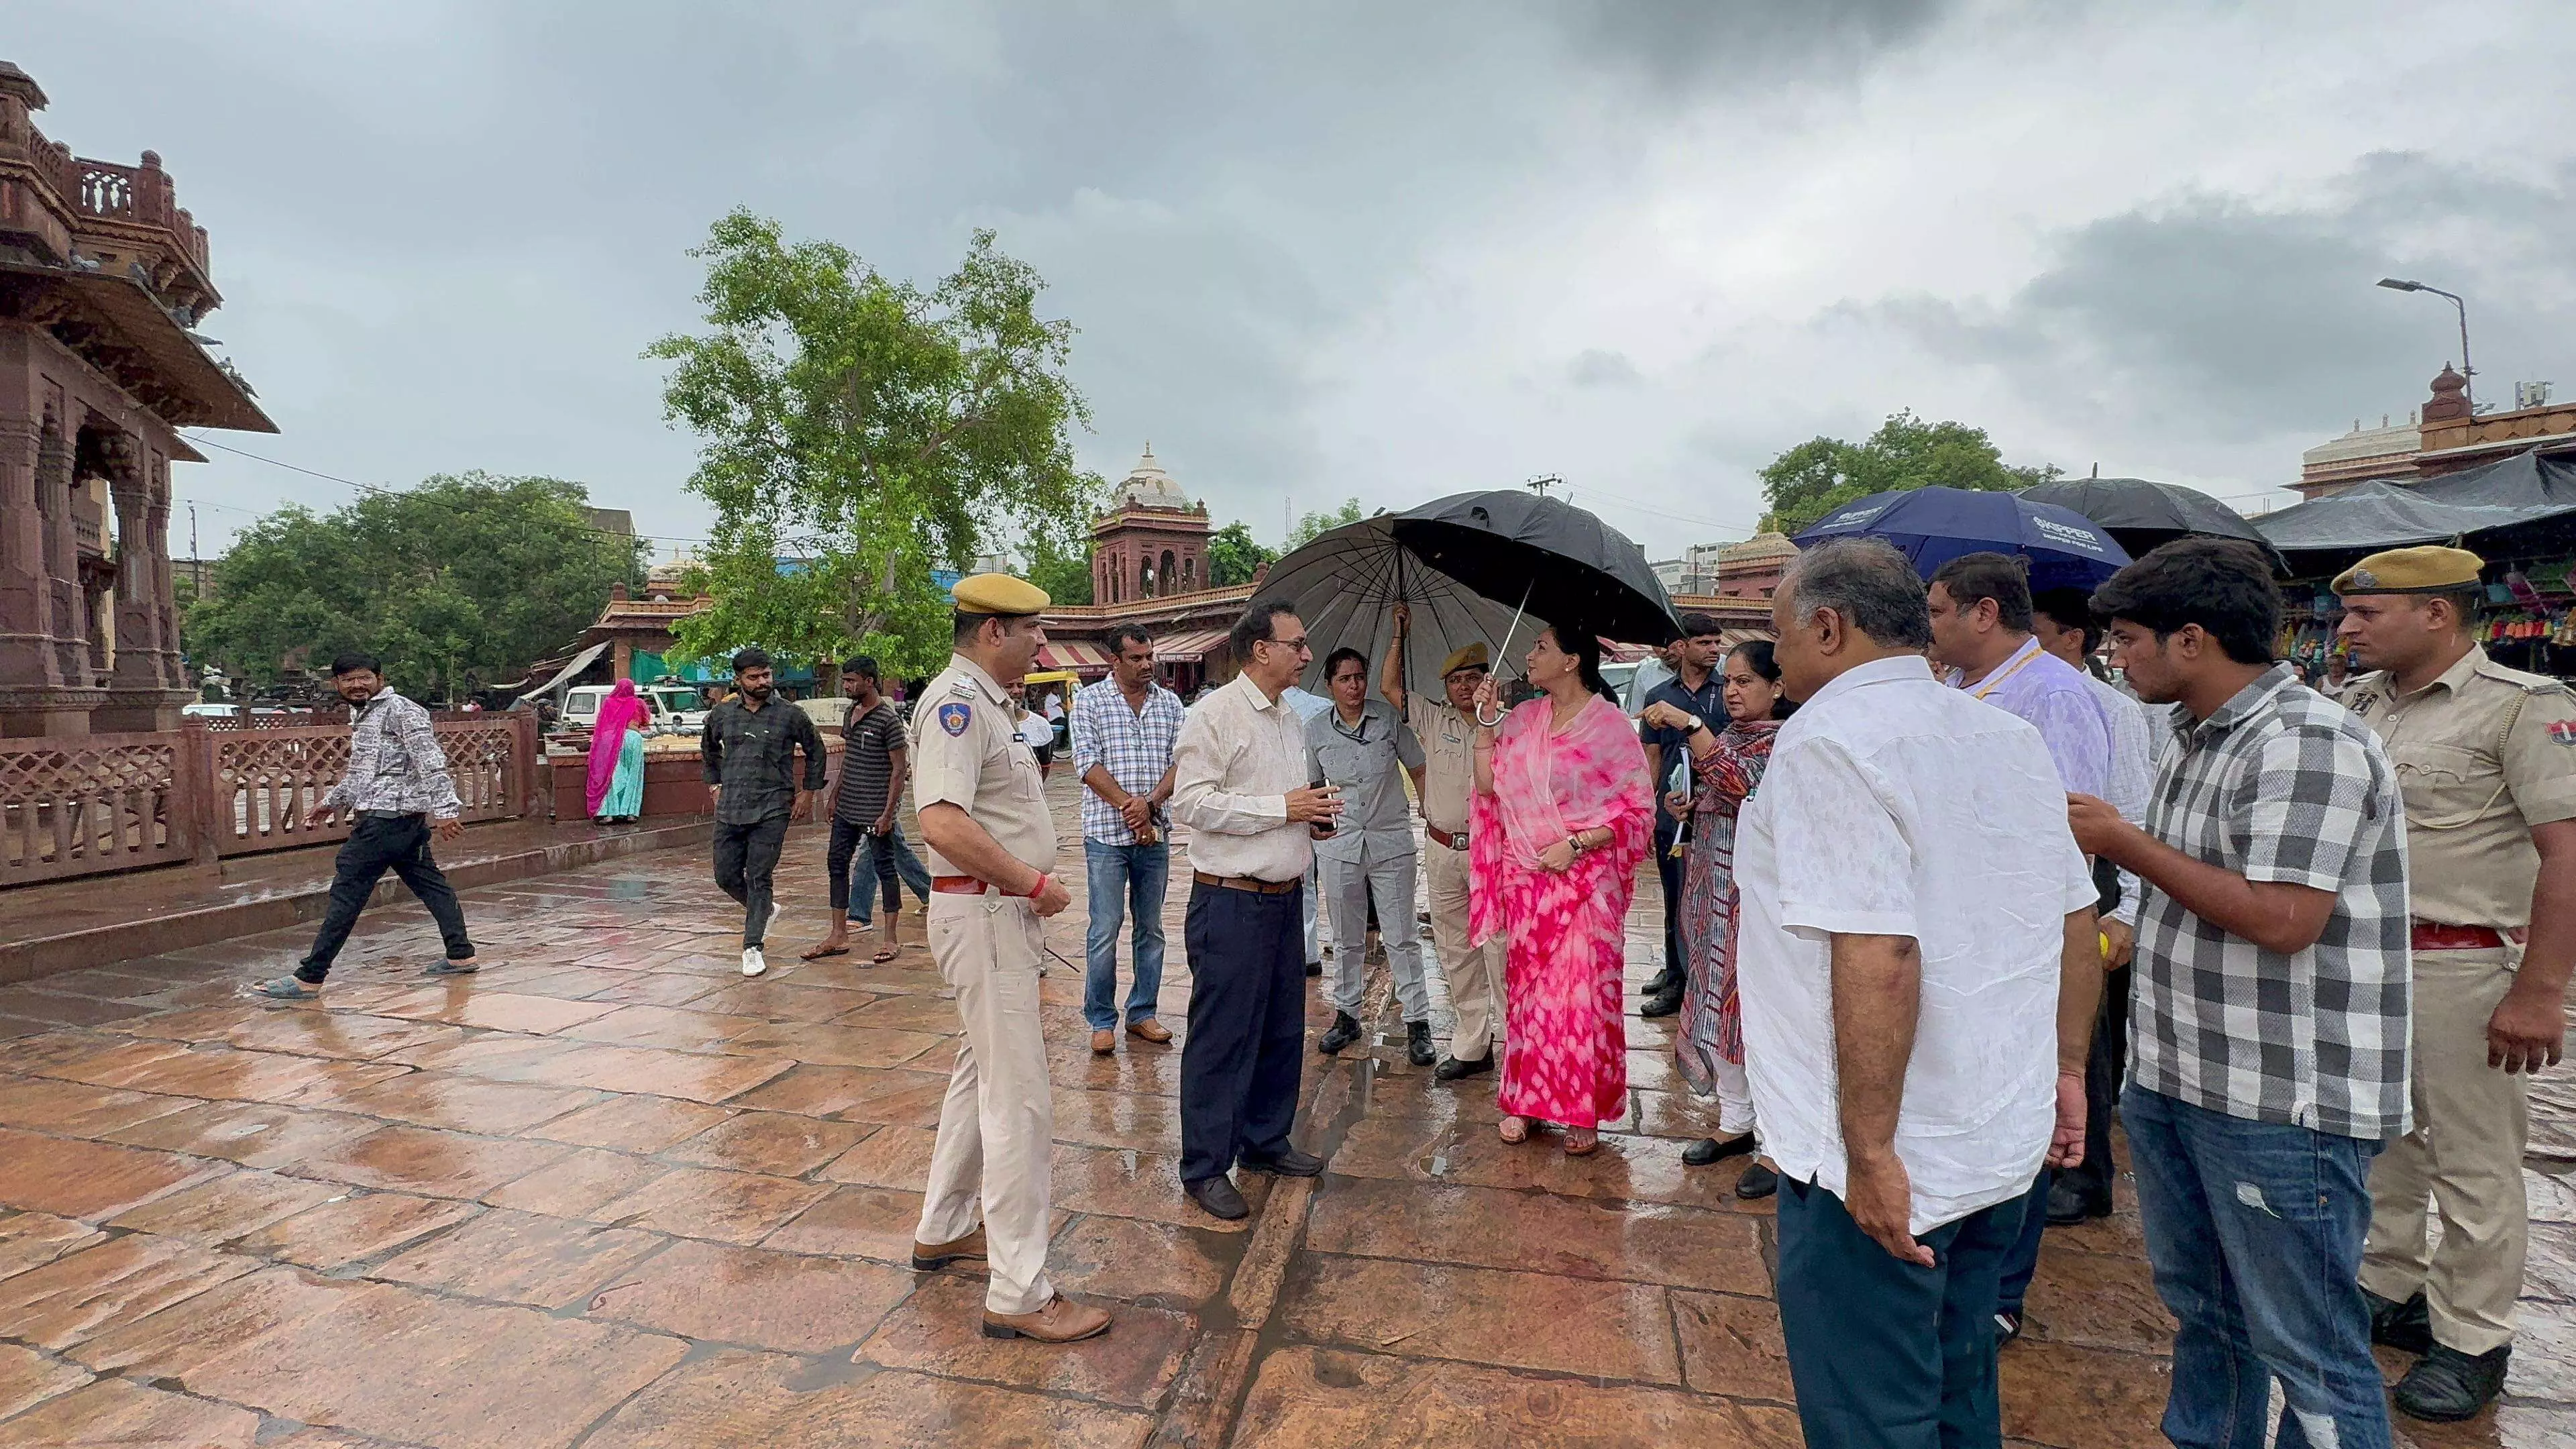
x=616 y=783
x=1561 y=817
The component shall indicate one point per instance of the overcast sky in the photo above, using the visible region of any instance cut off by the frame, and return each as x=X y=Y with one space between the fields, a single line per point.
x=1387 y=251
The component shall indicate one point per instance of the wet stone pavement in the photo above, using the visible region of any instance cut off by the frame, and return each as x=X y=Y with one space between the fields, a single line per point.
x=611 y=1194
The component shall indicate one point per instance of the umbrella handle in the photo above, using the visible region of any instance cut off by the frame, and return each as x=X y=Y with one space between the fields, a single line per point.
x=1503 y=654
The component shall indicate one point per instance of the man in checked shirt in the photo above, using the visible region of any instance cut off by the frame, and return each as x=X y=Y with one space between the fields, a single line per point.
x=397 y=784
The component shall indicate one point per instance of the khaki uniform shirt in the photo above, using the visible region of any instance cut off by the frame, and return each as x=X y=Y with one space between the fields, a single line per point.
x=2483 y=754
x=1449 y=758
x=967 y=751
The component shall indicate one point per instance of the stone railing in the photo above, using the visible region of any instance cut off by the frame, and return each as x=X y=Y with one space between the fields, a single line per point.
x=86 y=805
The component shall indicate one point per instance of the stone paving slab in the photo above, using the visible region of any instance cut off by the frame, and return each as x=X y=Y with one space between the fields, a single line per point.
x=608 y=1193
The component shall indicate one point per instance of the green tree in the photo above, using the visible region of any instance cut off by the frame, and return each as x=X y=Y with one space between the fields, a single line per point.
x=1233 y=556
x=463 y=580
x=1820 y=475
x=1312 y=524
x=1064 y=572
x=869 y=431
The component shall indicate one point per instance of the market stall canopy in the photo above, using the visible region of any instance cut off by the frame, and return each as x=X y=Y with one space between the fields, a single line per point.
x=572 y=671
x=2525 y=488
x=1078 y=655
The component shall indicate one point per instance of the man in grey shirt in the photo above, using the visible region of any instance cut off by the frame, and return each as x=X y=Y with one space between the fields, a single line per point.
x=749 y=748
x=1359 y=745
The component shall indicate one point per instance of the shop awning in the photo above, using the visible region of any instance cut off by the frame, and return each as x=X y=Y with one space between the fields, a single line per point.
x=1074 y=654
x=2525 y=488
x=1190 y=648
x=571 y=671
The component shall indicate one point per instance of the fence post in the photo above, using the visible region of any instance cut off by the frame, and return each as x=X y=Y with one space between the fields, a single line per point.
x=536 y=783
x=196 y=780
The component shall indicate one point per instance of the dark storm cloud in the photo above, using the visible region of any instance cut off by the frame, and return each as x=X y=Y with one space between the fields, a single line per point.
x=1680 y=43
x=2238 y=318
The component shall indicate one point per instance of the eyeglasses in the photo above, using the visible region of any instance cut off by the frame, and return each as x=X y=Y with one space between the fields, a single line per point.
x=1299 y=644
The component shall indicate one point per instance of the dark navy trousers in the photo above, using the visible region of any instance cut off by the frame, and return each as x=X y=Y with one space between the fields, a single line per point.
x=1246 y=1050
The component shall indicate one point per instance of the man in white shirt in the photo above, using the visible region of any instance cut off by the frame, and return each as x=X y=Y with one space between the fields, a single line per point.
x=1919 y=972
x=1239 y=783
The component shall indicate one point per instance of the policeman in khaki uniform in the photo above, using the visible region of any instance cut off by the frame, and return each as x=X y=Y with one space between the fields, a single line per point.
x=991 y=845
x=2486 y=757
x=1474 y=973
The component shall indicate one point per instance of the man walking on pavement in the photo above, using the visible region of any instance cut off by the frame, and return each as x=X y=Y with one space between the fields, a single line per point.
x=1359 y=746
x=749 y=749
x=1239 y=783
x=1447 y=736
x=984 y=816
x=868 y=848
x=1124 y=728
x=1696 y=689
x=2486 y=758
x=397 y=784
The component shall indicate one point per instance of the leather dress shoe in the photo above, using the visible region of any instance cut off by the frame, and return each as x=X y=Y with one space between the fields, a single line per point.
x=1103 y=1043
x=2406 y=1327
x=1150 y=1030
x=1289 y=1163
x=1663 y=1003
x=1710 y=1149
x=1218 y=1196
x=2069 y=1204
x=1417 y=1044
x=1659 y=983
x=1345 y=1030
x=1759 y=1181
x=1452 y=1069
x=2446 y=1385
x=931 y=1257
x=1061 y=1321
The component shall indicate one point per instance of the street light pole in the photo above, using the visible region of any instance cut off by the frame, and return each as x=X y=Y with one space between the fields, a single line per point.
x=2468 y=374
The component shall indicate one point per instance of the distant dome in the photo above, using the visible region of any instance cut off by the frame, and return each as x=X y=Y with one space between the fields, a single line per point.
x=1759 y=546
x=1148 y=486
x=668 y=575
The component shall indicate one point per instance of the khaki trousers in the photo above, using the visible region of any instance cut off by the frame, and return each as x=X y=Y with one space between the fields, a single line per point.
x=2464 y=1157
x=997 y=1127
x=1474 y=973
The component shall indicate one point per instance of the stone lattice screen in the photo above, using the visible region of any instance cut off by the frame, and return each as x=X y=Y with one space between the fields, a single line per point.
x=81 y=806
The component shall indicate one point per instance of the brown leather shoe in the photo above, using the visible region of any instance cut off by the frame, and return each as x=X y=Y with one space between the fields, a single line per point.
x=1103 y=1043
x=1061 y=1321
x=930 y=1258
x=1150 y=1030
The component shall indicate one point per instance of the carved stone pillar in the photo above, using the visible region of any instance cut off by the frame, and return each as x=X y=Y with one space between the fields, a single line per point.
x=137 y=665
x=26 y=595
x=165 y=608
x=62 y=554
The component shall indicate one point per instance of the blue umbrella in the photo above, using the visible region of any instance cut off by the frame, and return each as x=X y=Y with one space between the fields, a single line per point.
x=1932 y=526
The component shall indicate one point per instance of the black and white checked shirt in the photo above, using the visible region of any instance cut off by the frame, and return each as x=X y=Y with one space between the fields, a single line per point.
x=2280 y=784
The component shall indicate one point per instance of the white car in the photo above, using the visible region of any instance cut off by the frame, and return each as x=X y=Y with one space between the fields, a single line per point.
x=673 y=709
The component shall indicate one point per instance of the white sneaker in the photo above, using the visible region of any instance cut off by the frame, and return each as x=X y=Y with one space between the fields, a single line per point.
x=753 y=963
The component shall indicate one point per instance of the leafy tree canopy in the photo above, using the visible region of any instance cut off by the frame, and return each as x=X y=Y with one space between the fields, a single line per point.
x=1820 y=475
x=1233 y=556
x=462 y=581
x=1312 y=524
x=870 y=431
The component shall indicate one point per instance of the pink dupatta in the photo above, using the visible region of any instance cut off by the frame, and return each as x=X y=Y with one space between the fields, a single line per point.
x=623 y=710
x=1546 y=787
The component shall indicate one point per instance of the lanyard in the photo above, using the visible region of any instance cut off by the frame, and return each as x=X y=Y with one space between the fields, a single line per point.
x=1358 y=737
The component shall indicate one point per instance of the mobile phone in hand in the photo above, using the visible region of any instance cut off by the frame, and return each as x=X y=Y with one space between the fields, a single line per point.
x=1323 y=829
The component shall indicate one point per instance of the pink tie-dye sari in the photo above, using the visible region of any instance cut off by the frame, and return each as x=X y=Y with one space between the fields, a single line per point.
x=1566 y=1057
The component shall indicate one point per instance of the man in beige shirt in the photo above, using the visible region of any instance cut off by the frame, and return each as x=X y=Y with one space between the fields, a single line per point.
x=1239 y=783
x=992 y=854
x=1474 y=973
x=2486 y=758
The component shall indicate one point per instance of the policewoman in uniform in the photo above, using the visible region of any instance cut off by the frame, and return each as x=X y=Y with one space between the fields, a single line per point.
x=2486 y=757
x=991 y=845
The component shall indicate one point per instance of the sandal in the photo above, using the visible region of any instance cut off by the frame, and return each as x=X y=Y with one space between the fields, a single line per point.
x=1515 y=1130
x=883 y=956
x=1581 y=1141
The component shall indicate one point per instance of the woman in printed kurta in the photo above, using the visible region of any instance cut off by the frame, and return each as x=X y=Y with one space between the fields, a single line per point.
x=1726 y=764
x=1562 y=815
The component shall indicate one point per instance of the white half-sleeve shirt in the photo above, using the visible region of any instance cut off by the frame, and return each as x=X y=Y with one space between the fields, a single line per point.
x=1896 y=806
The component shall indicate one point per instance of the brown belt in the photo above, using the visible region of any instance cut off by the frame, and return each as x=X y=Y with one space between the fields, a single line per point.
x=2434 y=936
x=958 y=885
x=1246 y=883
x=1440 y=837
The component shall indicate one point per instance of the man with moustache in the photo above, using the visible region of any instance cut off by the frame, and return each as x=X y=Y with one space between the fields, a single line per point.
x=749 y=751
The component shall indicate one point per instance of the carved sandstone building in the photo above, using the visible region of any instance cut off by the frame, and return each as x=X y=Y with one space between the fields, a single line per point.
x=103 y=279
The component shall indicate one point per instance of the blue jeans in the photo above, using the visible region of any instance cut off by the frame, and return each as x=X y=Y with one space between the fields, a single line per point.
x=859 y=862
x=2254 y=1230
x=1130 y=880
x=1884 y=1354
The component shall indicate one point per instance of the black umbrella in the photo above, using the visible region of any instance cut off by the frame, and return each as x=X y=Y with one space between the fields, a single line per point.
x=1346 y=583
x=1545 y=555
x=2142 y=514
